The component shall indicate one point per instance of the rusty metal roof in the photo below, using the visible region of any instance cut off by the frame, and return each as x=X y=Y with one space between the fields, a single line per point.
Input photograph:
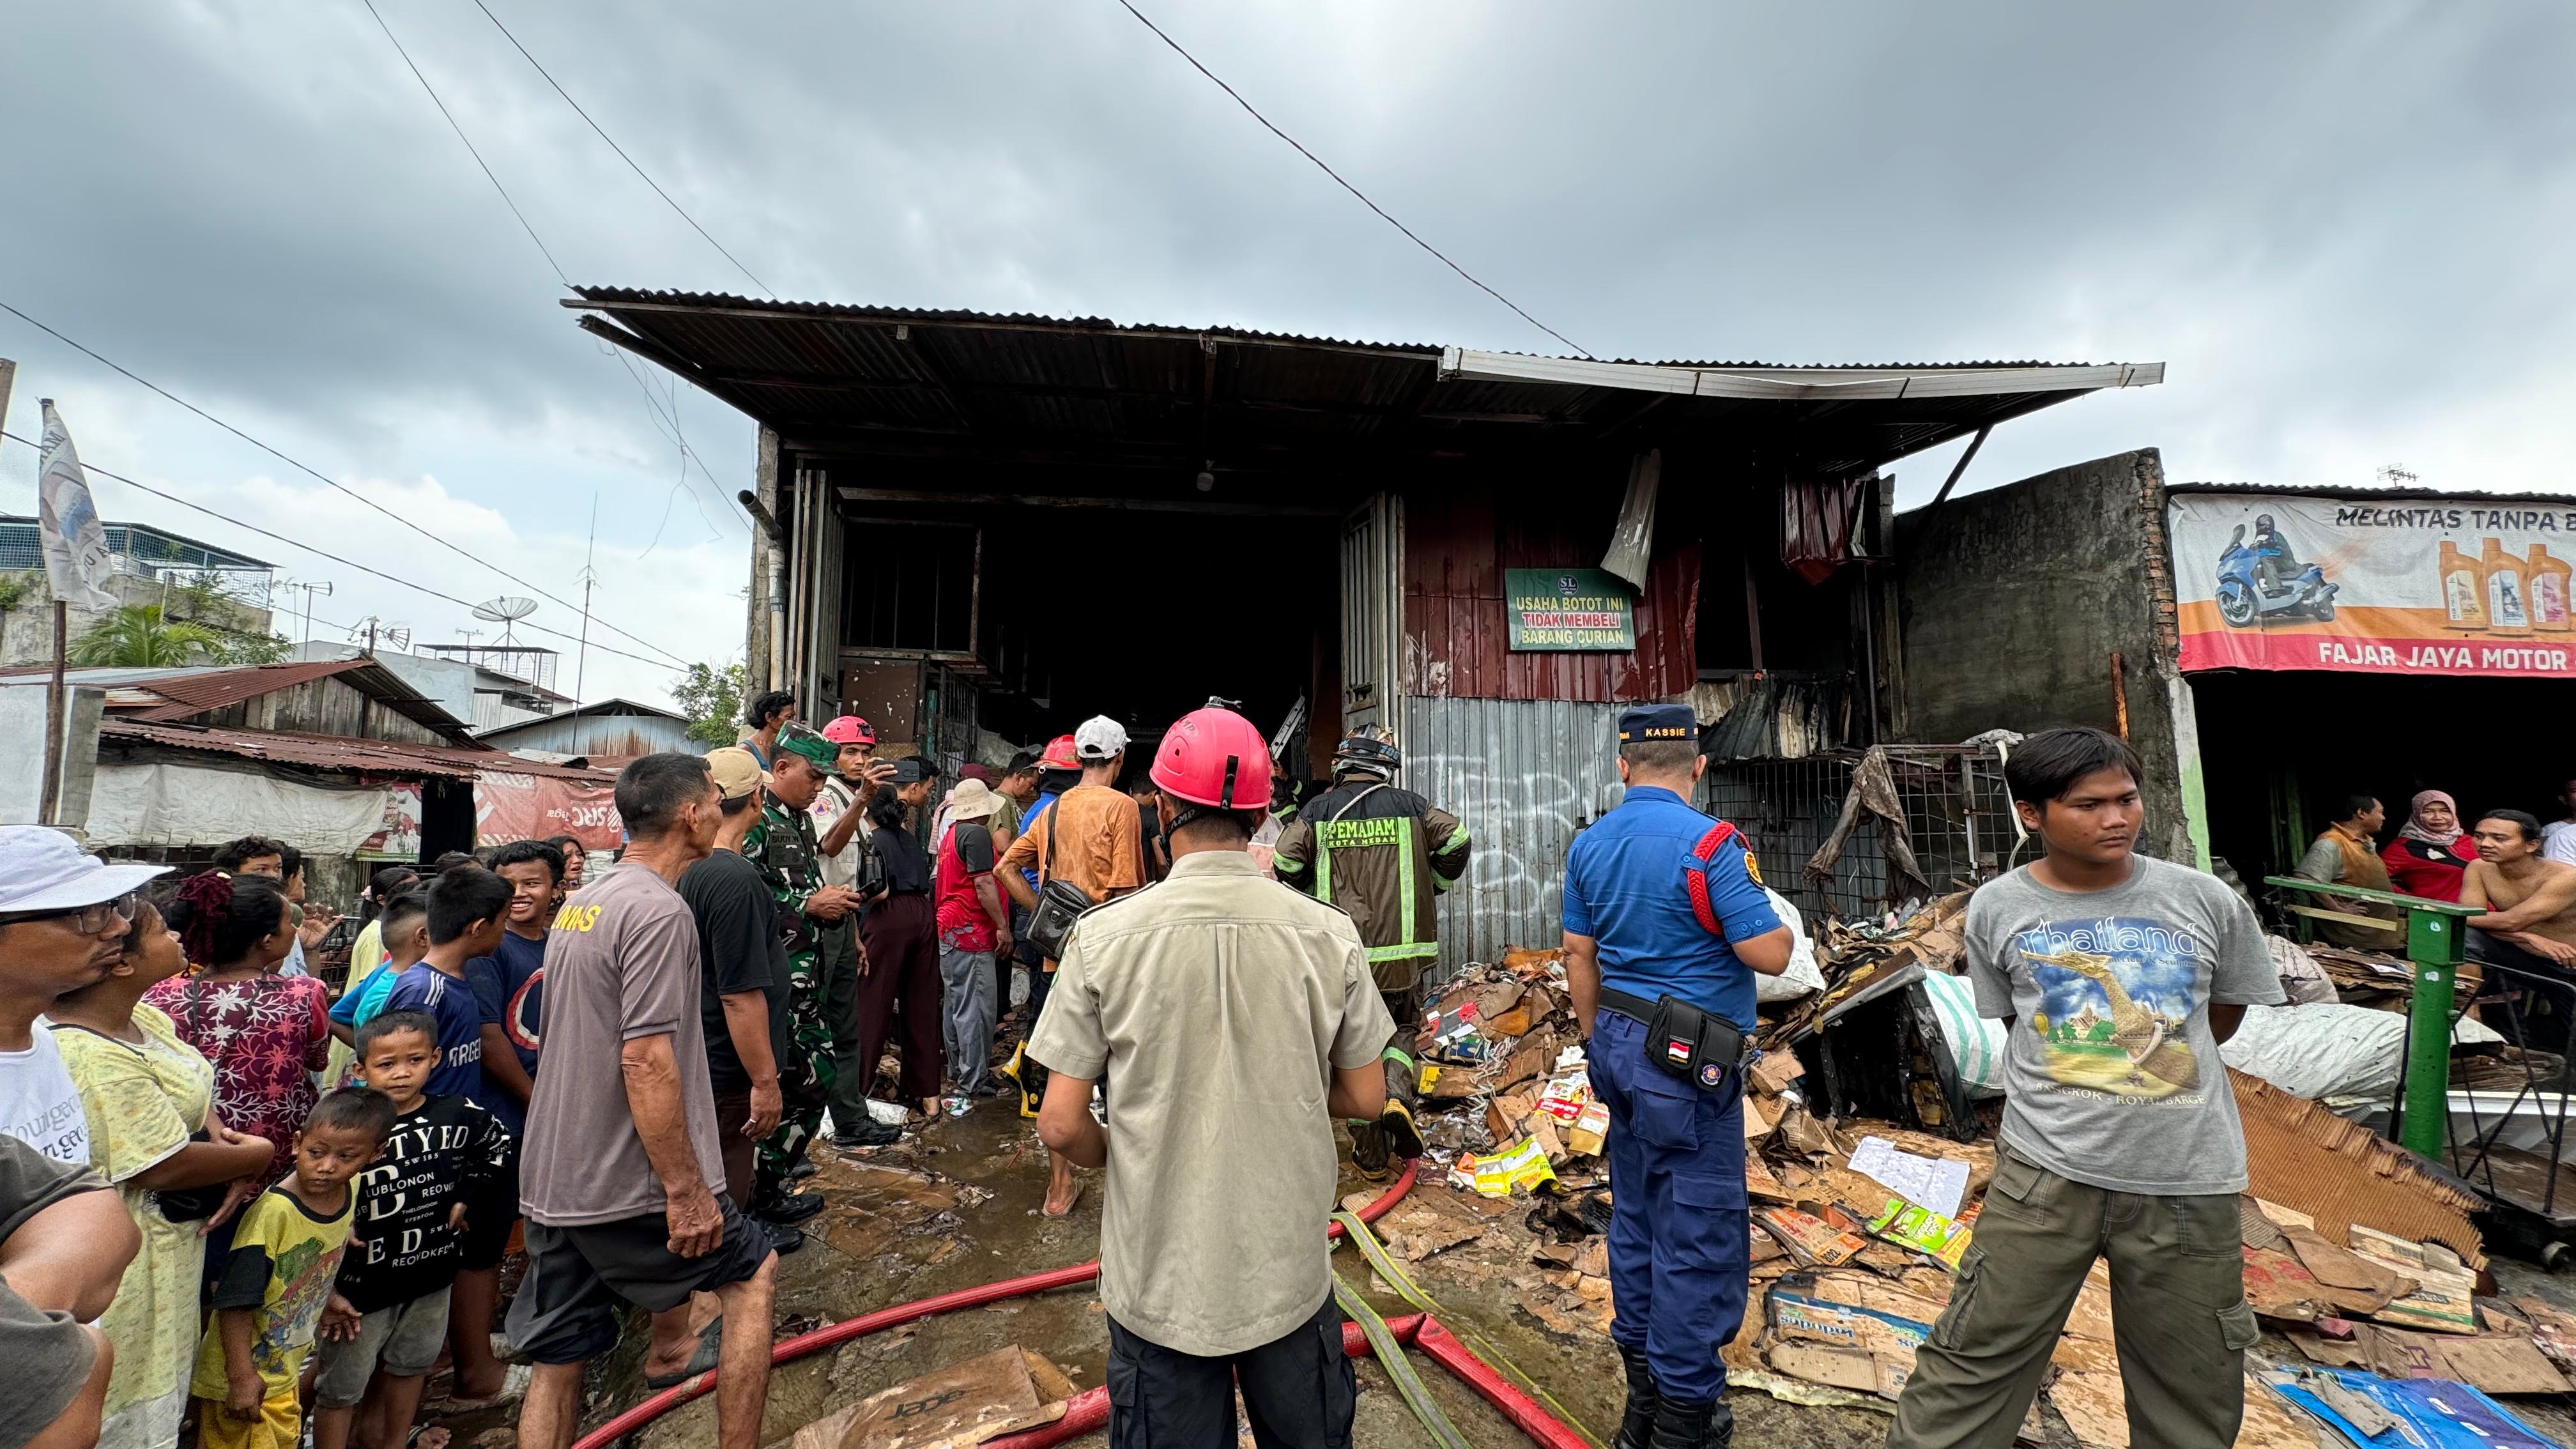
x=334 y=752
x=837 y=379
x=183 y=694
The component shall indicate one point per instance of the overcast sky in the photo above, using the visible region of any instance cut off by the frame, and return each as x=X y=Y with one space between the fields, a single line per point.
x=2344 y=227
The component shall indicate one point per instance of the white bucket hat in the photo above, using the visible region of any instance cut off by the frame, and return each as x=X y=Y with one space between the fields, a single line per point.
x=42 y=869
x=974 y=800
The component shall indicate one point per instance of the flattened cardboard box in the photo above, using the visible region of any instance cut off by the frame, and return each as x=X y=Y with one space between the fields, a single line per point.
x=2302 y=1156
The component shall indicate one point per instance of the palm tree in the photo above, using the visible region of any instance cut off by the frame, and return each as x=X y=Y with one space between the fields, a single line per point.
x=137 y=637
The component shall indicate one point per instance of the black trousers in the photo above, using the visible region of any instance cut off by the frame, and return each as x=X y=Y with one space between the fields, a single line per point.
x=1297 y=1390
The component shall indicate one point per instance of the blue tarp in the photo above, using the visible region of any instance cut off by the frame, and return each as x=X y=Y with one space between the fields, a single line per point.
x=2441 y=1414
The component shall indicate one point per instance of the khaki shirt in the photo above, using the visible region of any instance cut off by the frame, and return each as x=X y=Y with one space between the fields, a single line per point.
x=1217 y=1004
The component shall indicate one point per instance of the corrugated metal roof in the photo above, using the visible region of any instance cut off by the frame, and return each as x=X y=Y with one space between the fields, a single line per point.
x=333 y=752
x=850 y=380
x=215 y=688
x=196 y=692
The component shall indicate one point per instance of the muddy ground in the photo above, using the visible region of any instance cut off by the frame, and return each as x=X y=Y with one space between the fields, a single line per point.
x=889 y=1239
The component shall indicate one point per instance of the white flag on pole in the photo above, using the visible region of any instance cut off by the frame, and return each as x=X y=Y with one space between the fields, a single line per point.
x=76 y=557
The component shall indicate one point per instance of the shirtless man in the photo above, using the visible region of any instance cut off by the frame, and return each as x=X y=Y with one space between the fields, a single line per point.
x=2529 y=903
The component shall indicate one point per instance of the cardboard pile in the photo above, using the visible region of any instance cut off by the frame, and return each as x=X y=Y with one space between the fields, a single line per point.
x=1506 y=1096
x=1002 y=1392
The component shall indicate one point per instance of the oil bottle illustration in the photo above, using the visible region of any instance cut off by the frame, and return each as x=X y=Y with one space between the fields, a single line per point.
x=2464 y=590
x=2546 y=583
x=2507 y=611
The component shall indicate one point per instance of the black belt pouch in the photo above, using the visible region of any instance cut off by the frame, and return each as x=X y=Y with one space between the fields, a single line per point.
x=1697 y=1046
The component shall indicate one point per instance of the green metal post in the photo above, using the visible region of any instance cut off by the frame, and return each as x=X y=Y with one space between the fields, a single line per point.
x=2436 y=944
x=2428 y=1058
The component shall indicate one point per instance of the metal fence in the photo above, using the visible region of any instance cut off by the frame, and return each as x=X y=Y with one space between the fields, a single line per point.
x=1958 y=818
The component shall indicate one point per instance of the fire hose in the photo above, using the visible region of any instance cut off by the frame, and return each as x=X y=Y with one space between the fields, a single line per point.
x=1087 y=1412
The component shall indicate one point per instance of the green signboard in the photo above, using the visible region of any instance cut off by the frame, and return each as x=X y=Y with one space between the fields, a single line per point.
x=1570 y=610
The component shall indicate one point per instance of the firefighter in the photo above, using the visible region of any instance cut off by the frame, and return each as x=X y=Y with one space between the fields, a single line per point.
x=1384 y=855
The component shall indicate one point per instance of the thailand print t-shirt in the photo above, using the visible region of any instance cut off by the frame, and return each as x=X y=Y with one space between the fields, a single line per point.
x=2111 y=1075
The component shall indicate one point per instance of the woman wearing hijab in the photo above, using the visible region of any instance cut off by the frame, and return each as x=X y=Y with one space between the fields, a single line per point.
x=2431 y=852
x=2346 y=853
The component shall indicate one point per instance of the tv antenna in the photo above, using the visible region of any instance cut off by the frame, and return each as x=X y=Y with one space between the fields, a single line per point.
x=505 y=611
x=2396 y=475
x=373 y=627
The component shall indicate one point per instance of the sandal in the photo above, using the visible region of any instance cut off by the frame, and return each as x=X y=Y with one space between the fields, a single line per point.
x=710 y=1351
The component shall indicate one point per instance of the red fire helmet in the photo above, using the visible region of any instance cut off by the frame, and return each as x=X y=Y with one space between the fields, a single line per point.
x=1215 y=757
x=849 y=729
x=1059 y=755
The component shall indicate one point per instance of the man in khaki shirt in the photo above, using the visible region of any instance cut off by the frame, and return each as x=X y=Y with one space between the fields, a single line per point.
x=1236 y=1019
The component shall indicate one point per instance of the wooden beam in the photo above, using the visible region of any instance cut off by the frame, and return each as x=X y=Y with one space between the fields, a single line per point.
x=1130 y=505
x=646 y=348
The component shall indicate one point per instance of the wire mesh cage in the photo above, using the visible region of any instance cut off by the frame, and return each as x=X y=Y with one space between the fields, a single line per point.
x=1958 y=820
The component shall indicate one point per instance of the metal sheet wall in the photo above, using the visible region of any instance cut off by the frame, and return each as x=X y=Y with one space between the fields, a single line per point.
x=1458 y=542
x=1524 y=775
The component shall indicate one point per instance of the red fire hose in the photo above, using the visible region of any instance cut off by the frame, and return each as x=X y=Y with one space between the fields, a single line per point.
x=834 y=1335
x=1088 y=1411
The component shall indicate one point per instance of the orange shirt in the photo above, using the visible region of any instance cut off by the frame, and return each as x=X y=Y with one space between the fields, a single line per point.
x=1104 y=842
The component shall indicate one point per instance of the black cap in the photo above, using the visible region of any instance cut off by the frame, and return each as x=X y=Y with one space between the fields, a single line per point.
x=1658 y=722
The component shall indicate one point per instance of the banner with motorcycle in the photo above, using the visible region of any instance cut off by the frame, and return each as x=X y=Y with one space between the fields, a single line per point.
x=2396 y=585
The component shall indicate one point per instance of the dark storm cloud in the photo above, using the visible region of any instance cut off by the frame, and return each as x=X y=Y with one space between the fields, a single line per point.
x=2341 y=224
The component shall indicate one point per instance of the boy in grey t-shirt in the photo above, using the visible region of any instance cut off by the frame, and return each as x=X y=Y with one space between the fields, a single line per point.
x=2116 y=977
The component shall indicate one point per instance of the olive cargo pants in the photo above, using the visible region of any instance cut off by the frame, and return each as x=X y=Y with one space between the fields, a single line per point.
x=2179 y=1315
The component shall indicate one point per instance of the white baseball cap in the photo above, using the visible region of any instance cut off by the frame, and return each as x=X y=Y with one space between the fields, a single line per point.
x=1099 y=738
x=42 y=869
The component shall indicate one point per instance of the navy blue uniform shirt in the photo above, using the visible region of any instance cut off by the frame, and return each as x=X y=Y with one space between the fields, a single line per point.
x=1625 y=887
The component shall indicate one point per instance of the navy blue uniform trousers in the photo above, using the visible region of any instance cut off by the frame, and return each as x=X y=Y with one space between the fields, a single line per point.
x=1679 y=1250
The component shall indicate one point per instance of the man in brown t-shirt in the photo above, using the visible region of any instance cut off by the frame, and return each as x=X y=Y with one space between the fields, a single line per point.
x=1101 y=850
x=623 y=1157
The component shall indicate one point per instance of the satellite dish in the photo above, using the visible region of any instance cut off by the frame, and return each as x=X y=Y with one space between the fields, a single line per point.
x=505 y=611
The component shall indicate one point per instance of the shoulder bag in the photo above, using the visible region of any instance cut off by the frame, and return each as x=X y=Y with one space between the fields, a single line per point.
x=1060 y=902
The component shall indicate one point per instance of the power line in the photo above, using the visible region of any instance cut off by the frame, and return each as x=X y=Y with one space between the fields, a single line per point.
x=90 y=467
x=132 y=376
x=612 y=145
x=1345 y=185
x=724 y=505
x=469 y=144
x=522 y=217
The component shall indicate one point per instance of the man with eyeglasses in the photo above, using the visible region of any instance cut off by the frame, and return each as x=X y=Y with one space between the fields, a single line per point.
x=63 y=921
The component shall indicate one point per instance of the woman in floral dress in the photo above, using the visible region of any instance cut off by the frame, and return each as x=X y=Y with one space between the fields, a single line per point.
x=266 y=1034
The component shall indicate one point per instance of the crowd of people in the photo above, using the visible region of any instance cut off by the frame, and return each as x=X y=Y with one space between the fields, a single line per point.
x=2519 y=873
x=621 y=1071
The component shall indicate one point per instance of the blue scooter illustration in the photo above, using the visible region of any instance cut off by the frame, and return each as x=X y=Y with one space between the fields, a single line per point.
x=2243 y=598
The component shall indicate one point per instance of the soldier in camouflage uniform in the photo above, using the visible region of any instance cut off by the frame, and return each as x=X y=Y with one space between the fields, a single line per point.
x=813 y=916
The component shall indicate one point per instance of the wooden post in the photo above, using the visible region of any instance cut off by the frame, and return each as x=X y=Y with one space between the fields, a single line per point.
x=53 y=776
x=2120 y=693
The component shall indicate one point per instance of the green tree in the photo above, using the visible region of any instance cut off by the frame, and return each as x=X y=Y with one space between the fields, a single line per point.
x=137 y=637
x=712 y=699
x=244 y=647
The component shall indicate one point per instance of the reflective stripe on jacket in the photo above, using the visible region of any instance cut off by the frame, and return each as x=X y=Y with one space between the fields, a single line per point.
x=1382 y=854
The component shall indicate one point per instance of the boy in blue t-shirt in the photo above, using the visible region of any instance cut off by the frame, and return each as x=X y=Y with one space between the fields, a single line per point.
x=467 y=906
x=404 y=929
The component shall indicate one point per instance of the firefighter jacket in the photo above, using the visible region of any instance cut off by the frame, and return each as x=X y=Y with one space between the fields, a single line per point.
x=1383 y=855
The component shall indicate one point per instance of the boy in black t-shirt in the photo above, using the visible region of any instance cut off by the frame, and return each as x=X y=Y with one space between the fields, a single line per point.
x=390 y=1304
